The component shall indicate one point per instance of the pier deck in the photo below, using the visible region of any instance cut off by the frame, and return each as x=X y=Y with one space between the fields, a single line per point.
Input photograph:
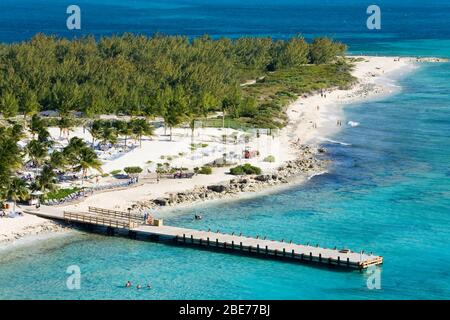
x=216 y=240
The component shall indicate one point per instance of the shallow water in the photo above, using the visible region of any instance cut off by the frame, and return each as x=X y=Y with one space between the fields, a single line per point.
x=388 y=190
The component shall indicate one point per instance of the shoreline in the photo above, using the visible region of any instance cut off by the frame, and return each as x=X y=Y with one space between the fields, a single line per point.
x=312 y=120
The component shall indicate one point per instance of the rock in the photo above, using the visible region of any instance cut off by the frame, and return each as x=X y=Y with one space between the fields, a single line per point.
x=219 y=188
x=161 y=201
x=263 y=178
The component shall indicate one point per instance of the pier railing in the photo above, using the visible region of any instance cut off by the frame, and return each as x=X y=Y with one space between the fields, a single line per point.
x=278 y=249
x=98 y=220
x=137 y=218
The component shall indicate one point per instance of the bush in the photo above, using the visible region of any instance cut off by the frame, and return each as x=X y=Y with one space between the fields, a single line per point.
x=269 y=159
x=205 y=170
x=245 y=169
x=115 y=172
x=60 y=194
x=132 y=170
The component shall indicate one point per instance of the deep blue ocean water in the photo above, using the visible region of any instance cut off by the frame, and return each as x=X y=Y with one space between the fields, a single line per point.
x=388 y=191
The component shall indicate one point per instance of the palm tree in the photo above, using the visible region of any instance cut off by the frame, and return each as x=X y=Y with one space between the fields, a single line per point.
x=124 y=129
x=96 y=130
x=37 y=151
x=65 y=124
x=140 y=128
x=17 y=190
x=10 y=158
x=36 y=125
x=58 y=160
x=72 y=151
x=109 y=135
x=87 y=159
x=46 y=180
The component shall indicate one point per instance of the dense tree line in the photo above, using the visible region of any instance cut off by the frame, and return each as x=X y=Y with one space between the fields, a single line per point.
x=173 y=77
x=169 y=76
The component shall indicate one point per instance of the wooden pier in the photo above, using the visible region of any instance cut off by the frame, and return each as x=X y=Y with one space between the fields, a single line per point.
x=134 y=224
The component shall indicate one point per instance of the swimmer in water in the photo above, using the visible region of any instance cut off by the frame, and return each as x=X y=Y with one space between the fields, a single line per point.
x=138 y=286
x=128 y=284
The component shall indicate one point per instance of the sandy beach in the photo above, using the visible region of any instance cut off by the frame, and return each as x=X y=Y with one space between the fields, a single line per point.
x=312 y=120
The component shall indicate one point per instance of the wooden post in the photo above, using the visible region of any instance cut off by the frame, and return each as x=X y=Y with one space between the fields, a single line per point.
x=241 y=246
x=200 y=241
x=267 y=250
x=207 y=241
x=184 y=238
x=232 y=244
x=192 y=238
x=320 y=257
x=257 y=248
x=339 y=261
x=217 y=242
x=284 y=252
x=348 y=262
x=310 y=256
x=293 y=253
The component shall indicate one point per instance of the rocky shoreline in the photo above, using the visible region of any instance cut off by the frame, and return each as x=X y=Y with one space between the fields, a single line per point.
x=305 y=165
x=33 y=230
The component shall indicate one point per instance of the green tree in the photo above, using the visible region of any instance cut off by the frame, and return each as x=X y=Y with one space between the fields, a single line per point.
x=324 y=50
x=141 y=128
x=9 y=105
x=87 y=159
x=65 y=125
x=31 y=104
x=10 y=159
x=109 y=135
x=37 y=152
x=17 y=191
x=176 y=110
x=46 y=180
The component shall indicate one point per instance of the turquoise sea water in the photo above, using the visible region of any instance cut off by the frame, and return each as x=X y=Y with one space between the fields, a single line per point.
x=388 y=191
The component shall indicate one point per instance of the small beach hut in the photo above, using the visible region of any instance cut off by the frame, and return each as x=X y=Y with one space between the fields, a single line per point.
x=35 y=198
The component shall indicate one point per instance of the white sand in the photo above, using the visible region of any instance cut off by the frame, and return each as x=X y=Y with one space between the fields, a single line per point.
x=307 y=123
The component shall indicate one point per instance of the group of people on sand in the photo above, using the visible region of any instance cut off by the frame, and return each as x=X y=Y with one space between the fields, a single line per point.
x=138 y=286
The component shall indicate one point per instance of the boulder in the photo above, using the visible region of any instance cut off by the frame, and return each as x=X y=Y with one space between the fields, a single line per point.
x=263 y=178
x=219 y=188
x=161 y=201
